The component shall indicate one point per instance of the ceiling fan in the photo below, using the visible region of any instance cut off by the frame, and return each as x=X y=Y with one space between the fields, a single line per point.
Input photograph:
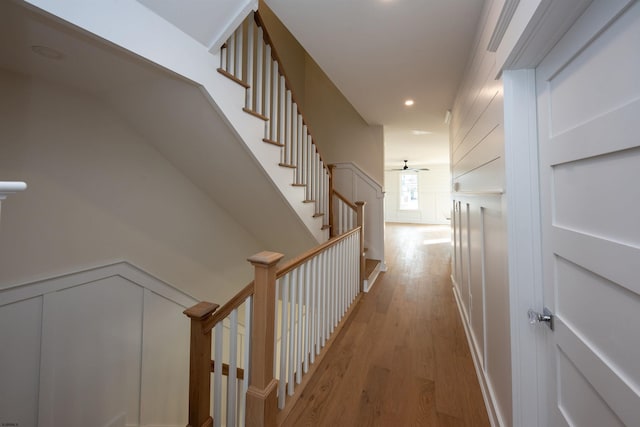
x=407 y=168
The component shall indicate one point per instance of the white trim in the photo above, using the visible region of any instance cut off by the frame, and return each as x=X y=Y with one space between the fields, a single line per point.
x=536 y=26
x=524 y=244
x=122 y=269
x=362 y=174
x=10 y=187
x=246 y=9
x=485 y=387
x=508 y=9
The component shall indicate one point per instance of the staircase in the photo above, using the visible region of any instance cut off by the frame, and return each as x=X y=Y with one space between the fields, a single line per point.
x=249 y=59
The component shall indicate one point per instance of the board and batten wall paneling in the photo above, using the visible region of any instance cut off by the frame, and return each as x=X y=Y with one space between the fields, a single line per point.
x=479 y=257
x=108 y=346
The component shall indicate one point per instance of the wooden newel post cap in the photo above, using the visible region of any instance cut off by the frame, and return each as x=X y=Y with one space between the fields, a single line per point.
x=201 y=310
x=265 y=258
x=361 y=203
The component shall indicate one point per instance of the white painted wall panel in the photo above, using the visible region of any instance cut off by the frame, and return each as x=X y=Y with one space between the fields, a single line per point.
x=166 y=343
x=20 y=361
x=107 y=346
x=492 y=116
x=488 y=148
x=91 y=350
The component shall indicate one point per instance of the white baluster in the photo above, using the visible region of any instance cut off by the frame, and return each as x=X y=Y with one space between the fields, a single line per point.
x=282 y=102
x=314 y=308
x=268 y=88
x=274 y=100
x=239 y=46
x=231 y=50
x=250 y=52
x=291 y=356
x=287 y=129
x=294 y=138
x=223 y=56
x=300 y=328
x=259 y=67
x=275 y=329
x=217 y=375
x=233 y=367
x=300 y=151
x=246 y=352
x=308 y=315
x=282 y=383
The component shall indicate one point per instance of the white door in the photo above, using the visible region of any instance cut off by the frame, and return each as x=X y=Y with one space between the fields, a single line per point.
x=588 y=90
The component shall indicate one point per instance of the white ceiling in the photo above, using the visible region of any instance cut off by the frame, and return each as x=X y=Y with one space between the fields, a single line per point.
x=381 y=52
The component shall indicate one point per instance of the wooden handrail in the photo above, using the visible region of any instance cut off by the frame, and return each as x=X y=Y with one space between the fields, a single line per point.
x=345 y=200
x=236 y=301
x=301 y=259
x=287 y=82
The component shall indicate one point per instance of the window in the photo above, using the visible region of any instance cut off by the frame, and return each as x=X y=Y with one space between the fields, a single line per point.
x=409 y=191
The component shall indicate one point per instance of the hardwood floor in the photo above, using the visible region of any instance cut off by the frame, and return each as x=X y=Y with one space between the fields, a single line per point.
x=402 y=358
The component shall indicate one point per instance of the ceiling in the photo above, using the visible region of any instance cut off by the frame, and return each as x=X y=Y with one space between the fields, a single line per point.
x=380 y=53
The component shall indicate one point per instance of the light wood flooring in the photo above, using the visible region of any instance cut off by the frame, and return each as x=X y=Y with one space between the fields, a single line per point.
x=402 y=358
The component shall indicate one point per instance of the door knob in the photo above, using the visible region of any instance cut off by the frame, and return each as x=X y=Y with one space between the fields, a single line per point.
x=546 y=316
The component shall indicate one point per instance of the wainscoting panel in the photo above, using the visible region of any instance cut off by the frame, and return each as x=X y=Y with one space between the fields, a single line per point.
x=103 y=347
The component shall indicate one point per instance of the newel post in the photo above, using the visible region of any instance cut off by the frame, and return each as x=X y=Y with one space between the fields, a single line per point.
x=360 y=223
x=261 y=396
x=200 y=365
x=332 y=227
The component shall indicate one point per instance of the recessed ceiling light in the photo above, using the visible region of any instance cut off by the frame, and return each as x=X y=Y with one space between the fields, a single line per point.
x=421 y=132
x=47 y=52
x=409 y=102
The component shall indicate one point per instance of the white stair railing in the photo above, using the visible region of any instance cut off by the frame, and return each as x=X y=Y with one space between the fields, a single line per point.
x=249 y=58
x=313 y=295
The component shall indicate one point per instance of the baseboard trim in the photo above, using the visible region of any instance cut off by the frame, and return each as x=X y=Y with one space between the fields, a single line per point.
x=487 y=393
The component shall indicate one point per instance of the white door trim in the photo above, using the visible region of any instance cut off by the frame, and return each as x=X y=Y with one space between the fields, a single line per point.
x=524 y=244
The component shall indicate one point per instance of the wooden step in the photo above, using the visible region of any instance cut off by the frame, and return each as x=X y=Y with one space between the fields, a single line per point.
x=372 y=268
x=255 y=114
x=232 y=77
x=272 y=142
x=286 y=165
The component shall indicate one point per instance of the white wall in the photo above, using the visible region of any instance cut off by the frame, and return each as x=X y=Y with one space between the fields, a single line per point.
x=434 y=197
x=479 y=221
x=99 y=193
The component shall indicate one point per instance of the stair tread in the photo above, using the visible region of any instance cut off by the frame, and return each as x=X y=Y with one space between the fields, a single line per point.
x=370 y=266
x=255 y=114
x=233 y=78
x=286 y=165
x=271 y=141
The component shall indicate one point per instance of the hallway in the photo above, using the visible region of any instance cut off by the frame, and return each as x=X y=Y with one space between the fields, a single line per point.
x=402 y=359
